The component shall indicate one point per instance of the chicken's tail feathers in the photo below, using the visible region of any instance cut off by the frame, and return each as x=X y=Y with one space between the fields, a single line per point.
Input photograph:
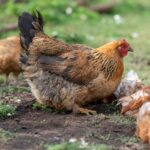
x=29 y=25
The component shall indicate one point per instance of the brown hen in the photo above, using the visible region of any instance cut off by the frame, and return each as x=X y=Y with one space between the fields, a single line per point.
x=9 y=56
x=68 y=76
x=143 y=122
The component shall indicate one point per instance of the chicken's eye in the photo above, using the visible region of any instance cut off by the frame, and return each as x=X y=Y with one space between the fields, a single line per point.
x=118 y=47
x=122 y=47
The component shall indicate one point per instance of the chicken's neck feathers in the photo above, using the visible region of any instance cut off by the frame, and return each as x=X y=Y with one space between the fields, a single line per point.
x=109 y=64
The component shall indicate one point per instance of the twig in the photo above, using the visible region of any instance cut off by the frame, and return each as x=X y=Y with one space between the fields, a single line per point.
x=103 y=8
x=9 y=28
x=100 y=8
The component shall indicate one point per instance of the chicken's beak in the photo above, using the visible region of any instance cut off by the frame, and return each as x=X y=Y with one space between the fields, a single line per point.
x=130 y=49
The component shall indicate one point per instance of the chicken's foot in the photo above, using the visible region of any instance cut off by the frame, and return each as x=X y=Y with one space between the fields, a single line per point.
x=77 y=109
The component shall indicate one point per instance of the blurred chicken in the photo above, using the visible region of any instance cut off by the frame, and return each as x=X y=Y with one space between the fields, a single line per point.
x=68 y=76
x=9 y=56
x=130 y=84
x=131 y=104
x=143 y=122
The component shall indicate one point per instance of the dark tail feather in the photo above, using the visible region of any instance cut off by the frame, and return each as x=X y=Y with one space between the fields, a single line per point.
x=29 y=25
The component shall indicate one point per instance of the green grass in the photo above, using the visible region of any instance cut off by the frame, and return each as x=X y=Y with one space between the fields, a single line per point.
x=12 y=89
x=6 y=135
x=129 y=140
x=37 y=106
x=119 y=119
x=77 y=146
x=90 y=28
x=84 y=26
x=7 y=110
x=2 y=78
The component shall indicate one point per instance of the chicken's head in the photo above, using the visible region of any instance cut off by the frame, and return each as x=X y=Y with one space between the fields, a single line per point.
x=124 y=47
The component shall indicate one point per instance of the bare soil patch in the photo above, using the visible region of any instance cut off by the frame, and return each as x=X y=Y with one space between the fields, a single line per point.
x=33 y=128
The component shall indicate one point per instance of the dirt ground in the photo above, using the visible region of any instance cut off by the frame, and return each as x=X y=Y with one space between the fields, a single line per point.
x=33 y=128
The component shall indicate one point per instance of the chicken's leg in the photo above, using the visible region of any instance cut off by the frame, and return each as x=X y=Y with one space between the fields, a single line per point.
x=81 y=97
x=77 y=109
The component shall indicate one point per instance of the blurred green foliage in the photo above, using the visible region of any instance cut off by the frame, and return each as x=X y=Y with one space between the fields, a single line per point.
x=37 y=106
x=6 y=135
x=77 y=146
x=12 y=89
x=65 y=20
x=7 y=110
x=54 y=10
x=133 y=6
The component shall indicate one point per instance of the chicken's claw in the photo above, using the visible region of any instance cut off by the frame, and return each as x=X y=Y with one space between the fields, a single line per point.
x=77 y=109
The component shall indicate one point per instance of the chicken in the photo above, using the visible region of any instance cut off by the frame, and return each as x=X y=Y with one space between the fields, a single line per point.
x=131 y=104
x=68 y=76
x=9 y=56
x=137 y=105
x=130 y=84
x=143 y=122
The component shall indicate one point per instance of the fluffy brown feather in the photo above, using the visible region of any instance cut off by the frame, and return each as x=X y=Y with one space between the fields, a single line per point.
x=9 y=56
x=69 y=76
x=135 y=101
x=143 y=122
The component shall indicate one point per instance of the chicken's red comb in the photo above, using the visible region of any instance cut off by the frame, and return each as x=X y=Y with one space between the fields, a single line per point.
x=124 y=40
